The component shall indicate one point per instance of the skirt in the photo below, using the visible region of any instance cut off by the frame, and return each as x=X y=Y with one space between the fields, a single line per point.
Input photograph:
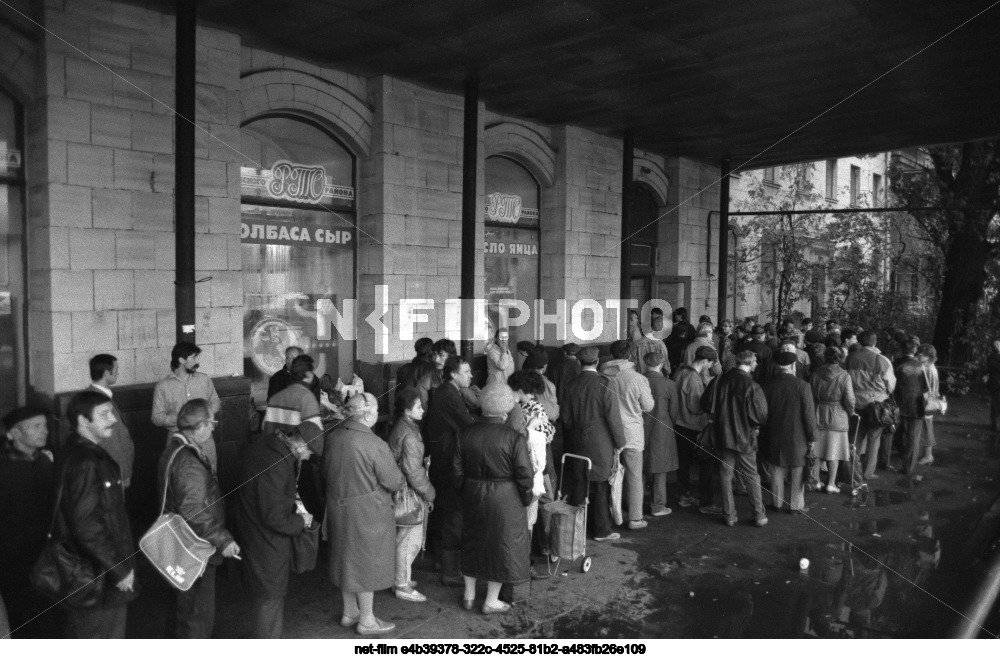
x=832 y=445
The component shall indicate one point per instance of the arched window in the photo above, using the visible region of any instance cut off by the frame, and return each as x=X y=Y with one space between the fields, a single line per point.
x=298 y=235
x=12 y=254
x=512 y=246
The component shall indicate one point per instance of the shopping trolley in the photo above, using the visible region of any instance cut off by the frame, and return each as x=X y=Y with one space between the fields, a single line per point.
x=567 y=524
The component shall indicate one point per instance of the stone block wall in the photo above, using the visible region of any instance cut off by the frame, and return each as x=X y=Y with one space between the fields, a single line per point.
x=101 y=171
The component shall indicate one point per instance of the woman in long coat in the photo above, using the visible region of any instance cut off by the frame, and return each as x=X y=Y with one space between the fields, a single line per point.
x=361 y=477
x=833 y=393
x=661 y=444
x=267 y=522
x=493 y=470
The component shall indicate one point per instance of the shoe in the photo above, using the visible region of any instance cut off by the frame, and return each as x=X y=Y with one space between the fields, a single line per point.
x=686 y=501
x=637 y=525
x=612 y=537
x=497 y=609
x=873 y=476
x=731 y=522
x=925 y=462
x=710 y=509
x=468 y=604
x=761 y=522
x=379 y=627
x=804 y=510
x=347 y=622
x=410 y=594
x=663 y=511
x=832 y=489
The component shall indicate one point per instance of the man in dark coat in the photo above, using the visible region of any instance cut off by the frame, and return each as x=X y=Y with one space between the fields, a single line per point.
x=738 y=409
x=445 y=417
x=658 y=425
x=593 y=425
x=789 y=432
x=267 y=522
x=92 y=509
x=566 y=370
x=758 y=345
x=911 y=384
x=25 y=509
x=283 y=377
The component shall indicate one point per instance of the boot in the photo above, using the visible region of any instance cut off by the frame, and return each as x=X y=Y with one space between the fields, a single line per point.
x=451 y=573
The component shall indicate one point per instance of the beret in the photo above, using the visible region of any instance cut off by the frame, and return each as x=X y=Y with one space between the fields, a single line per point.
x=14 y=417
x=785 y=358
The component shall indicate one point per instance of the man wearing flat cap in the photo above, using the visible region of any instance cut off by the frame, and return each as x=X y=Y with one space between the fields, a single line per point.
x=789 y=431
x=25 y=508
x=593 y=426
x=758 y=345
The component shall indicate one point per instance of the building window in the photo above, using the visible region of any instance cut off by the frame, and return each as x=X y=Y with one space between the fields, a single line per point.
x=513 y=242
x=855 y=186
x=12 y=249
x=769 y=175
x=877 y=191
x=298 y=236
x=831 y=180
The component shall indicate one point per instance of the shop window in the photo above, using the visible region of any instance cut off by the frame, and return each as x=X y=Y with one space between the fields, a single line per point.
x=513 y=245
x=298 y=236
x=12 y=261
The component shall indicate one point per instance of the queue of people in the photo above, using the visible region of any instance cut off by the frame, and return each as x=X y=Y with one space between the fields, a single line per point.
x=728 y=413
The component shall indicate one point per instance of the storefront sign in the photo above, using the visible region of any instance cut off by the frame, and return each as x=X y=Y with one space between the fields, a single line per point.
x=296 y=234
x=289 y=181
x=504 y=208
x=511 y=248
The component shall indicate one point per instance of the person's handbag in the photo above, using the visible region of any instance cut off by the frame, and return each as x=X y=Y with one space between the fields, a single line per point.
x=174 y=549
x=935 y=404
x=409 y=507
x=61 y=575
x=882 y=414
x=305 y=549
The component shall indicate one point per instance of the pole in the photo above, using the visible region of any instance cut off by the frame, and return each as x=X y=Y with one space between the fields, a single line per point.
x=470 y=211
x=184 y=170
x=723 y=243
x=625 y=287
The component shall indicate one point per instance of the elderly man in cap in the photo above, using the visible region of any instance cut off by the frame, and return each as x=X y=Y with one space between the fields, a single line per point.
x=593 y=425
x=25 y=509
x=789 y=432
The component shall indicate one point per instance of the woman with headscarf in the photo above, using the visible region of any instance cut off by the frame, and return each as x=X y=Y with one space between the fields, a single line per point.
x=927 y=355
x=833 y=393
x=361 y=477
x=407 y=448
x=493 y=470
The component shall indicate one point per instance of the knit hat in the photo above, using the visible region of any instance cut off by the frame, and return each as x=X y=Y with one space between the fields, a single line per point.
x=14 y=417
x=535 y=360
x=589 y=355
x=496 y=400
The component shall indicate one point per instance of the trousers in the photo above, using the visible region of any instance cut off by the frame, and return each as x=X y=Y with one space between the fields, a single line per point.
x=268 y=618
x=632 y=461
x=195 y=608
x=797 y=493
x=408 y=542
x=746 y=465
x=869 y=441
x=688 y=456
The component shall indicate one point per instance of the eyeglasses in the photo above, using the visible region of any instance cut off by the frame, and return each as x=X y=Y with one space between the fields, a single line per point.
x=213 y=423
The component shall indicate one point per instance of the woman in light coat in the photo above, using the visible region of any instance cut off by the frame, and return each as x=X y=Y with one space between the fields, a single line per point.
x=361 y=477
x=833 y=393
x=407 y=448
x=927 y=355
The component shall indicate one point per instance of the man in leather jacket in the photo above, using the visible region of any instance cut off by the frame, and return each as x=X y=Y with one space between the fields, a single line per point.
x=194 y=493
x=92 y=512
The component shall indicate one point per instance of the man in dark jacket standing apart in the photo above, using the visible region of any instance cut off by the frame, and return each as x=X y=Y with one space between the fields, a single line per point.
x=445 y=417
x=267 y=522
x=910 y=389
x=193 y=492
x=93 y=510
x=738 y=409
x=593 y=425
x=789 y=432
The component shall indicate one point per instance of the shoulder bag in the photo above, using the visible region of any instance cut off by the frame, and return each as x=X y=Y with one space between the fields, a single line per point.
x=177 y=553
x=935 y=404
x=409 y=507
x=305 y=545
x=61 y=575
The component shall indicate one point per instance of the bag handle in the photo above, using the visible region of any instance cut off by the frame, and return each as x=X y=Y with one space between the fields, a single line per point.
x=166 y=472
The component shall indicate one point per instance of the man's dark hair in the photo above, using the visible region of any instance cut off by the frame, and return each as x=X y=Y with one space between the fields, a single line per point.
x=424 y=347
x=910 y=346
x=789 y=341
x=806 y=321
x=452 y=366
x=681 y=313
x=181 y=351
x=832 y=354
x=868 y=338
x=83 y=404
x=101 y=364
x=525 y=346
x=831 y=322
x=527 y=381
x=445 y=345
x=707 y=353
x=656 y=310
x=746 y=357
x=705 y=318
x=847 y=334
x=302 y=365
x=619 y=349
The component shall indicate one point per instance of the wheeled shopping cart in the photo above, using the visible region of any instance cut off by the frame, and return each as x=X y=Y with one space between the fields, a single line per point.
x=567 y=524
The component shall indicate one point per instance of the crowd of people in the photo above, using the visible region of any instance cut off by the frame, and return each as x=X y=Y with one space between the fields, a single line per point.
x=467 y=472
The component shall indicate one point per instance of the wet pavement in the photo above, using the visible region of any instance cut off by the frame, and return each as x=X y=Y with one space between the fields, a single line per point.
x=898 y=561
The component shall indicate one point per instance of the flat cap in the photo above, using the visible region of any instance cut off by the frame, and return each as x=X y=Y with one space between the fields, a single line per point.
x=589 y=355
x=12 y=418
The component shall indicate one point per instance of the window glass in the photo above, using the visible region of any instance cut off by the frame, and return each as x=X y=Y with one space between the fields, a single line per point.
x=12 y=270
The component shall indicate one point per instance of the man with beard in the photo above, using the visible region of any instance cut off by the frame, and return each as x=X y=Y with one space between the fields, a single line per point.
x=182 y=384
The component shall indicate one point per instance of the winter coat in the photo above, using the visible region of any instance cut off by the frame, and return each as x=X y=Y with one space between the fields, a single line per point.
x=361 y=477
x=833 y=394
x=647 y=345
x=563 y=373
x=92 y=514
x=634 y=399
x=791 y=420
x=194 y=492
x=764 y=355
x=408 y=450
x=910 y=387
x=266 y=516
x=871 y=374
x=492 y=468
x=428 y=384
x=592 y=422
x=661 y=443
x=690 y=387
x=738 y=409
x=445 y=417
x=688 y=359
